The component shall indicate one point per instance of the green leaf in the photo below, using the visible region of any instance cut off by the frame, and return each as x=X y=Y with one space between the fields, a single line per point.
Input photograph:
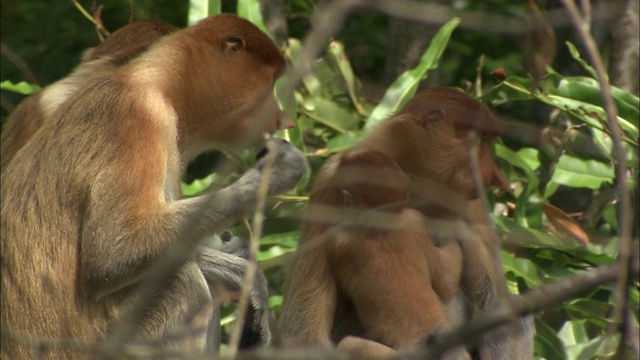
x=285 y=239
x=547 y=343
x=250 y=10
x=399 y=93
x=576 y=55
x=343 y=142
x=517 y=160
x=577 y=343
x=200 y=9
x=589 y=309
x=329 y=113
x=336 y=51
x=527 y=237
x=588 y=90
x=197 y=186
x=573 y=172
x=275 y=301
x=522 y=268
x=22 y=87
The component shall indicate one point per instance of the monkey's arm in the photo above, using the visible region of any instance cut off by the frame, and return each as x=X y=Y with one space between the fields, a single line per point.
x=310 y=299
x=130 y=224
x=486 y=285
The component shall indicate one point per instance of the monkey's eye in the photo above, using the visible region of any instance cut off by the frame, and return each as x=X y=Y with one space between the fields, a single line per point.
x=233 y=45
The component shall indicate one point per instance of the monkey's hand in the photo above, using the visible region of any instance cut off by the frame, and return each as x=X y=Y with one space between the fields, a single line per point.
x=226 y=268
x=286 y=170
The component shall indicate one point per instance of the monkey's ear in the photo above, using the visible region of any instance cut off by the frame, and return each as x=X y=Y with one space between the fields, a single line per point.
x=432 y=116
x=233 y=45
x=348 y=197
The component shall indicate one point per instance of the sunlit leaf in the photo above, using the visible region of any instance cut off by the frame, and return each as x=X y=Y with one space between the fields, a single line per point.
x=250 y=10
x=588 y=90
x=200 y=9
x=522 y=268
x=547 y=344
x=573 y=172
x=197 y=186
x=517 y=160
x=22 y=87
x=329 y=113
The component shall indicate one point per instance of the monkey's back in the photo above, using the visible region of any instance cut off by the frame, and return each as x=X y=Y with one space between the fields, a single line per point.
x=47 y=196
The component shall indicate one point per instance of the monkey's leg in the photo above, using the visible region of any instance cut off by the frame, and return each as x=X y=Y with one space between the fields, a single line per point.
x=360 y=348
x=177 y=319
x=227 y=271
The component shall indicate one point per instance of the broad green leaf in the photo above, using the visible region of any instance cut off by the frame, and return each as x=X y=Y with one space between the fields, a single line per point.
x=578 y=345
x=286 y=239
x=343 y=141
x=527 y=237
x=590 y=310
x=399 y=93
x=522 y=268
x=272 y=252
x=22 y=87
x=515 y=88
x=592 y=115
x=276 y=256
x=517 y=160
x=250 y=10
x=200 y=9
x=573 y=332
x=197 y=186
x=330 y=114
x=573 y=172
x=530 y=157
x=547 y=344
x=588 y=90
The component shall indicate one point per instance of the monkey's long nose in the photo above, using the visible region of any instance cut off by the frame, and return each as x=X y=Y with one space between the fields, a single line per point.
x=498 y=179
x=285 y=121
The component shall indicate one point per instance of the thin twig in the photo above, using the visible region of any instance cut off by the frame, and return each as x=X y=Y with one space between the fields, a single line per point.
x=533 y=301
x=258 y=222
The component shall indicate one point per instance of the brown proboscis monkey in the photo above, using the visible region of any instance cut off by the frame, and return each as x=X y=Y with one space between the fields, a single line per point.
x=92 y=200
x=398 y=256
x=429 y=140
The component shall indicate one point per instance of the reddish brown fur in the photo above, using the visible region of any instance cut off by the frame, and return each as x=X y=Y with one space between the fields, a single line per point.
x=118 y=49
x=429 y=140
x=401 y=257
x=92 y=199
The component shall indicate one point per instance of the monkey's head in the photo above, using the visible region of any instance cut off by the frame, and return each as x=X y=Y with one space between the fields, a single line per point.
x=129 y=41
x=371 y=179
x=219 y=76
x=437 y=124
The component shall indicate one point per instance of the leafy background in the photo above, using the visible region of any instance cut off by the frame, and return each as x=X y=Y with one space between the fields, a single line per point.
x=560 y=217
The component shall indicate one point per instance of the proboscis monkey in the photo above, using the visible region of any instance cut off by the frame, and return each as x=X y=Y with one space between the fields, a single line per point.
x=119 y=48
x=429 y=140
x=92 y=200
x=398 y=254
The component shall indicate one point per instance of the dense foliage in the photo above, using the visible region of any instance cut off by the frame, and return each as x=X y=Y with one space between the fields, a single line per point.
x=560 y=217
